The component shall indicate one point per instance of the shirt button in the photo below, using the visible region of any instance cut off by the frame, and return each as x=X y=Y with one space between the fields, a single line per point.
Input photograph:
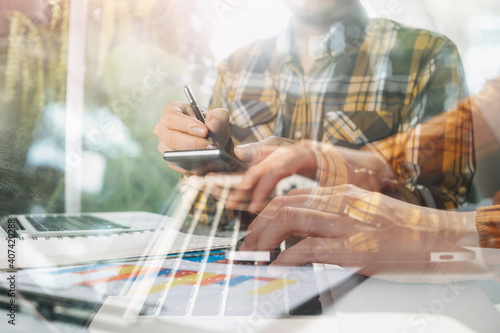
x=298 y=135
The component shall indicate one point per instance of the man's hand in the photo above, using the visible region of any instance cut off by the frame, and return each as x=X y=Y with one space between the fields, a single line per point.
x=261 y=155
x=253 y=153
x=349 y=226
x=331 y=166
x=273 y=159
x=178 y=129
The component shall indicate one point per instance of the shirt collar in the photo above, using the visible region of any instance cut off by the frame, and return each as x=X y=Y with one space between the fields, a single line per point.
x=334 y=42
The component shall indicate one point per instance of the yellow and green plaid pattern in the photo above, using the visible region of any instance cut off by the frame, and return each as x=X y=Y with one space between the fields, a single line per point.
x=372 y=78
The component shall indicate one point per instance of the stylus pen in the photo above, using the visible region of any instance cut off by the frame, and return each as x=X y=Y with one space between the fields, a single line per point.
x=197 y=111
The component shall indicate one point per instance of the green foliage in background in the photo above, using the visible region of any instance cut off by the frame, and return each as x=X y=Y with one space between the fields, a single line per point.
x=126 y=41
x=33 y=61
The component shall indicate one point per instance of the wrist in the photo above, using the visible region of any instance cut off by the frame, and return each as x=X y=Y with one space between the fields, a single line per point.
x=332 y=170
x=310 y=166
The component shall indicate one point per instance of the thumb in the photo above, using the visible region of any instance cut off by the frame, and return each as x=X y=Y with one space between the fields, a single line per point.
x=217 y=122
x=253 y=153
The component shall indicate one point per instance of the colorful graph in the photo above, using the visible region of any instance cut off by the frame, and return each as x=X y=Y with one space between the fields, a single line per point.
x=107 y=273
x=179 y=287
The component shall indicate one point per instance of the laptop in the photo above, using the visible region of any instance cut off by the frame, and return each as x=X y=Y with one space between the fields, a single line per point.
x=94 y=223
x=41 y=225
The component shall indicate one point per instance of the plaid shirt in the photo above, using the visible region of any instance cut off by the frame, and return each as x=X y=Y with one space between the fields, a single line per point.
x=371 y=78
x=446 y=141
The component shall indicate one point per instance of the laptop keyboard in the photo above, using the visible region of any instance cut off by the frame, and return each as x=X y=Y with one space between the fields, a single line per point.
x=61 y=223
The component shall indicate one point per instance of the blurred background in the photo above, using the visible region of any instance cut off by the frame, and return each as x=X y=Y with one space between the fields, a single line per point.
x=84 y=82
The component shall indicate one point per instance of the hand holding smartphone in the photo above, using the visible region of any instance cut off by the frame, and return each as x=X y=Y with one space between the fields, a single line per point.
x=202 y=161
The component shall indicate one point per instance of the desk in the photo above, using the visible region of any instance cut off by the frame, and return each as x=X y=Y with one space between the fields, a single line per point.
x=372 y=305
x=399 y=307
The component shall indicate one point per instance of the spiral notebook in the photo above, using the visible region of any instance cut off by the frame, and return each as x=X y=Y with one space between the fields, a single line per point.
x=65 y=239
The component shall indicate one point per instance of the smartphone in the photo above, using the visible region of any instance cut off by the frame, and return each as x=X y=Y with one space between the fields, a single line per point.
x=203 y=161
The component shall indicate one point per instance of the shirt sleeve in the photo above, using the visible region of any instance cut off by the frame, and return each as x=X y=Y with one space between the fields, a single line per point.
x=488 y=226
x=433 y=158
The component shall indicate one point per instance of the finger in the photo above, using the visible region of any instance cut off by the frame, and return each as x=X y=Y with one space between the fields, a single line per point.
x=330 y=199
x=331 y=251
x=181 y=141
x=238 y=197
x=217 y=120
x=298 y=201
x=198 y=183
x=253 y=152
x=298 y=255
x=229 y=180
x=262 y=178
x=268 y=215
x=290 y=221
x=232 y=181
x=215 y=181
x=180 y=117
x=282 y=163
x=243 y=190
x=217 y=188
x=163 y=147
x=321 y=250
x=303 y=223
x=307 y=251
x=265 y=185
x=244 y=204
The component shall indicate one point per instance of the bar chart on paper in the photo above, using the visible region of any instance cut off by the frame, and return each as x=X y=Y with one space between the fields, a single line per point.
x=197 y=286
x=214 y=288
